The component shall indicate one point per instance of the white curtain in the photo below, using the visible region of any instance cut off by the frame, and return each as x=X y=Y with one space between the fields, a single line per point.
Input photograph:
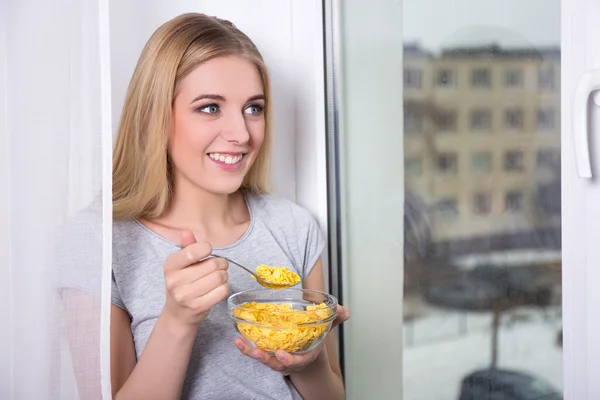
x=55 y=199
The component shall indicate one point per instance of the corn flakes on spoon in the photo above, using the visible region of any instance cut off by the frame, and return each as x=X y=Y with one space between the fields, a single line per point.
x=269 y=277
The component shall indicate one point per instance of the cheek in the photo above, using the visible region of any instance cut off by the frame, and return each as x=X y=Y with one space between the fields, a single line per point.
x=257 y=134
x=185 y=142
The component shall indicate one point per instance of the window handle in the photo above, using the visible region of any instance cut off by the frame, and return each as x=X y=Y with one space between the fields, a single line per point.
x=587 y=83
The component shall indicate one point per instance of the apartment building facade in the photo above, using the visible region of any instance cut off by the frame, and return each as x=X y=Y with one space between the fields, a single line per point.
x=482 y=146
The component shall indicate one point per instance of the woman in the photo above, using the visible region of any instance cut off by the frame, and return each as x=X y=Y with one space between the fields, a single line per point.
x=189 y=179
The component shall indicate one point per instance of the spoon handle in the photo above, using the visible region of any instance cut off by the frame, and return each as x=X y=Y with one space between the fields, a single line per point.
x=233 y=262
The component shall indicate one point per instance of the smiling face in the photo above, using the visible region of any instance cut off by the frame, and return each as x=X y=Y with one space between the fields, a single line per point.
x=218 y=125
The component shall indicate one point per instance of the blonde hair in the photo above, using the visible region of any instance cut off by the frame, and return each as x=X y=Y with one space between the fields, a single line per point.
x=142 y=180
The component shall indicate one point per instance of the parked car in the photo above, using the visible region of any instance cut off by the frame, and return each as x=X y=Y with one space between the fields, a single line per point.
x=500 y=384
x=463 y=293
x=523 y=285
x=487 y=286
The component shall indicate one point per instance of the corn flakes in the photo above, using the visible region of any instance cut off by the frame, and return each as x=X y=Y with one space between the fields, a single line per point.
x=281 y=326
x=278 y=276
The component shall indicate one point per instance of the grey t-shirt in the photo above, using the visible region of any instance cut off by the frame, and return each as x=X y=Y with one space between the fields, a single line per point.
x=280 y=233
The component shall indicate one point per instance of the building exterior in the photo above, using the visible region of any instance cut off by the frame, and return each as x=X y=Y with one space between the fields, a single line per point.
x=482 y=146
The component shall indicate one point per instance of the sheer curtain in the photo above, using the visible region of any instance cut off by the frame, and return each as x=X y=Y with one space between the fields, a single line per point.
x=55 y=208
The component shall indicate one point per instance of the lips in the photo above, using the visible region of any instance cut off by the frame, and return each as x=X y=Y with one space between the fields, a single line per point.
x=229 y=159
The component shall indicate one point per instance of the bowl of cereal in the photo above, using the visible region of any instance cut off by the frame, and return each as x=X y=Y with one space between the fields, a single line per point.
x=293 y=320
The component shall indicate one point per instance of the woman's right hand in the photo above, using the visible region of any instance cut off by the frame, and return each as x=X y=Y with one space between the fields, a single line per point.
x=193 y=287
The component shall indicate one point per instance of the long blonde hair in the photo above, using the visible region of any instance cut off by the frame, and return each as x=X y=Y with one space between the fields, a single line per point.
x=142 y=179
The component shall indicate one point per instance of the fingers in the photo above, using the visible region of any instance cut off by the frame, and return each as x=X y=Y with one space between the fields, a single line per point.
x=187 y=292
x=188 y=256
x=343 y=314
x=187 y=239
x=207 y=301
x=207 y=284
x=283 y=362
x=176 y=278
x=259 y=355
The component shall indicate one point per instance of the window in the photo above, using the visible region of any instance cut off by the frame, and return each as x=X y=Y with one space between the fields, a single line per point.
x=447 y=208
x=546 y=79
x=481 y=120
x=412 y=78
x=413 y=166
x=463 y=274
x=445 y=121
x=481 y=203
x=514 y=119
x=548 y=199
x=482 y=162
x=445 y=78
x=413 y=120
x=481 y=78
x=546 y=119
x=513 y=78
x=514 y=200
x=447 y=163
x=548 y=158
x=513 y=161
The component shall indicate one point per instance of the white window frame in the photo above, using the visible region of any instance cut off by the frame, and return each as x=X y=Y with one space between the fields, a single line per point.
x=580 y=210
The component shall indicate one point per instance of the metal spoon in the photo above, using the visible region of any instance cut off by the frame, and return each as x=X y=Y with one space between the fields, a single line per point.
x=260 y=280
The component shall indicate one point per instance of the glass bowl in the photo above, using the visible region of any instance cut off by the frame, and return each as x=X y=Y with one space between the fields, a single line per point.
x=295 y=326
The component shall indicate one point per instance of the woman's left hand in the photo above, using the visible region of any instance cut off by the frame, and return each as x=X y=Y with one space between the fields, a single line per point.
x=287 y=363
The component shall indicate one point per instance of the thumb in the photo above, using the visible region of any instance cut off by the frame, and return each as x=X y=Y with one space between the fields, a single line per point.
x=343 y=314
x=187 y=238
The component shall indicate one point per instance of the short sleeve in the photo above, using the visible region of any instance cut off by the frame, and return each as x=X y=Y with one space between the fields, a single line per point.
x=116 y=295
x=311 y=240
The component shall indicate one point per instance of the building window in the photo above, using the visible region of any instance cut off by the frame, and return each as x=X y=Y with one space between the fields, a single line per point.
x=481 y=120
x=447 y=163
x=445 y=78
x=514 y=201
x=546 y=79
x=482 y=203
x=513 y=119
x=482 y=163
x=548 y=158
x=413 y=166
x=412 y=78
x=445 y=121
x=513 y=78
x=481 y=78
x=447 y=208
x=513 y=161
x=546 y=120
x=547 y=200
x=413 y=120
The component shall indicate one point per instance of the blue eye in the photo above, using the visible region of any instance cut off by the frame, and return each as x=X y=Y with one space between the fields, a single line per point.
x=209 y=109
x=254 y=109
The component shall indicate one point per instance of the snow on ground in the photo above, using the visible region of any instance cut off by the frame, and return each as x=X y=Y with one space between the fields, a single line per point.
x=444 y=346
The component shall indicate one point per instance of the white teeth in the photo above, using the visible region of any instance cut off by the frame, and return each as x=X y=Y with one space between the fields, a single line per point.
x=225 y=158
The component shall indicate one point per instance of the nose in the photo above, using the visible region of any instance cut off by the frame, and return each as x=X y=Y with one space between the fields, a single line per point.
x=235 y=130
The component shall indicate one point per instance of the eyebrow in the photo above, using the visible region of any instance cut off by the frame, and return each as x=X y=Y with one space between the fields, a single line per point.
x=221 y=98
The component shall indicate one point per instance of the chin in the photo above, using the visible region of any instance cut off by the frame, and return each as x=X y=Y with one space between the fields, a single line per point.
x=224 y=188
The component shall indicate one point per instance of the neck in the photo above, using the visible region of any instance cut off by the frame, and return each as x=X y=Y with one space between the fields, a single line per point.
x=198 y=210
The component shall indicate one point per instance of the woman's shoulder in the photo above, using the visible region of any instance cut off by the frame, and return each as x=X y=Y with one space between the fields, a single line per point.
x=123 y=229
x=294 y=226
x=278 y=208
